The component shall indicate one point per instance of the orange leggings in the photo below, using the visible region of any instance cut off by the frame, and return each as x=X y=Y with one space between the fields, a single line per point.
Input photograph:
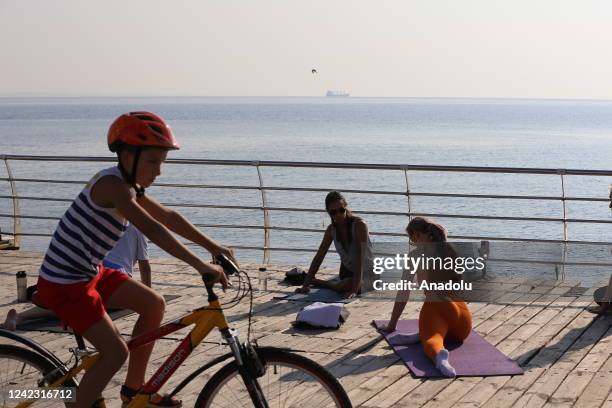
x=443 y=320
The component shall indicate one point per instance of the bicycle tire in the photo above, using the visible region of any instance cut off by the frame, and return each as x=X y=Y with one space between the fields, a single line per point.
x=211 y=397
x=40 y=366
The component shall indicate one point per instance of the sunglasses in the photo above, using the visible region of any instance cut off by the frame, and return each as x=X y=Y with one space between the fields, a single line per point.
x=340 y=210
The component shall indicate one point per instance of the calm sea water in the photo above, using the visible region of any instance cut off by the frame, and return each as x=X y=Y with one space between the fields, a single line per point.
x=471 y=132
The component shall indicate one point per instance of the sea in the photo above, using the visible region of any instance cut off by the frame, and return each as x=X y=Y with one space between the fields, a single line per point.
x=517 y=133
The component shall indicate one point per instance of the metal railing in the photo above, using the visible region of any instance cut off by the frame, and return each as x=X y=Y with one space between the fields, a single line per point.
x=266 y=209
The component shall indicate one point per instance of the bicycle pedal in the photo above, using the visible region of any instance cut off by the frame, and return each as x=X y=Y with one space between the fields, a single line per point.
x=79 y=352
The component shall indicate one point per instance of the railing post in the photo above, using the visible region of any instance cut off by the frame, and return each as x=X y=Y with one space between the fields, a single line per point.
x=266 y=216
x=408 y=201
x=16 y=211
x=561 y=173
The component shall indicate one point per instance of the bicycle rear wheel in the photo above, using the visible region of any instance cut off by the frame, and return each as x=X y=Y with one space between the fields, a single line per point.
x=21 y=368
x=290 y=381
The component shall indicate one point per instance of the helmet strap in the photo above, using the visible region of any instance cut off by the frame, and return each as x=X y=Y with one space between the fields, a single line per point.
x=139 y=189
x=131 y=177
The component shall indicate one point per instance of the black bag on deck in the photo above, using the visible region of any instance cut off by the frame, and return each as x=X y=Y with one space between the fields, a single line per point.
x=295 y=277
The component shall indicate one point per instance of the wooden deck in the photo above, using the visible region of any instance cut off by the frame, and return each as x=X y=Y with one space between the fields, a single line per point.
x=565 y=350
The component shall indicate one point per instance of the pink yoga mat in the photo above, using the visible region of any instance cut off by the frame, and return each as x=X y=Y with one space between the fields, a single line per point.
x=474 y=357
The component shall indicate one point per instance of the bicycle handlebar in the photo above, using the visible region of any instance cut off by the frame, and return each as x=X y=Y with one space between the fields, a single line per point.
x=209 y=290
x=227 y=264
x=229 y=267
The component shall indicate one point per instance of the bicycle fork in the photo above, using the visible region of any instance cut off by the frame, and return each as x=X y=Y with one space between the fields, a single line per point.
x=250 y=366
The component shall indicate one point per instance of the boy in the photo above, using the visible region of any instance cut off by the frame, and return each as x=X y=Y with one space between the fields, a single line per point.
x=72 y=283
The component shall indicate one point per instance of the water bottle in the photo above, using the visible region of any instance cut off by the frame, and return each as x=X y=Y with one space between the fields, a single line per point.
x=22 y=286
x=263 y=279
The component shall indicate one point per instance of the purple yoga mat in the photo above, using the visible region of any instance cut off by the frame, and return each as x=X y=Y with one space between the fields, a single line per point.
x=474 y=357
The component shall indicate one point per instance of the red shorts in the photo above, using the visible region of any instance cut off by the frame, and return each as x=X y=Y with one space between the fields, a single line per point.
x=80 y=305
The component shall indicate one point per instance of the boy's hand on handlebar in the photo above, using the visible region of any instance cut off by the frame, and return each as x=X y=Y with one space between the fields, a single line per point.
x=213 y=274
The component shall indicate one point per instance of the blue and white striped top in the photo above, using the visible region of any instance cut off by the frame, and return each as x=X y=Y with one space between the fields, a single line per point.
x=85 y=234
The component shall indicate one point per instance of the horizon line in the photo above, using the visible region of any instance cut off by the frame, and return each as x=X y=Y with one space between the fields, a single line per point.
x=585 y=99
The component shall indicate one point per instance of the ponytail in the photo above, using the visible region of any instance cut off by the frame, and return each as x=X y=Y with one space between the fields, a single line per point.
x=436 y=233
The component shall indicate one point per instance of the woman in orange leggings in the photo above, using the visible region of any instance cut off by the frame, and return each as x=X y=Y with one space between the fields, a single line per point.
x=444 y=316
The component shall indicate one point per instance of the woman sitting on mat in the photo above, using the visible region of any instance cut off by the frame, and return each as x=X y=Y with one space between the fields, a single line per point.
x=350 y=237
x=444 y=316
x=131 y=248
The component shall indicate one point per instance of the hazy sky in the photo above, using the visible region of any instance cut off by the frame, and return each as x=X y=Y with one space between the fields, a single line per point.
x=463 y=48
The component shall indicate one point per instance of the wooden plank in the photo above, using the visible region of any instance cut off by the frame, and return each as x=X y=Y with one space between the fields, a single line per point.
x=380 y=381
x=452 y=393
x=580 y=376
x=548 y=381
x=547 y=355
x=600 y=386
x=608 y=403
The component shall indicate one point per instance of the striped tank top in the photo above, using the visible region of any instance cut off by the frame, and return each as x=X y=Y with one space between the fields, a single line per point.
x=85 y=234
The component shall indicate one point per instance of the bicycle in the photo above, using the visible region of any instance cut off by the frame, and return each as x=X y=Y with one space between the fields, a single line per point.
x=262 y=376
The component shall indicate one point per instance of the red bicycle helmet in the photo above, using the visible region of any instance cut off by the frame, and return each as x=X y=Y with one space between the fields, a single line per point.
x=140 y=129
x=136 y=131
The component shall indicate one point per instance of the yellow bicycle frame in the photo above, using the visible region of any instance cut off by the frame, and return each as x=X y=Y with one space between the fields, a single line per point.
x=205 y=320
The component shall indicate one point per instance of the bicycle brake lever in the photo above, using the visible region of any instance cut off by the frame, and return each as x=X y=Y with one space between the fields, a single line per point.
x=227 y=264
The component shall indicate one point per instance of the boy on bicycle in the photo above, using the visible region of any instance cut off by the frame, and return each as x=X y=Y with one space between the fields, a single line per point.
x=74 y=285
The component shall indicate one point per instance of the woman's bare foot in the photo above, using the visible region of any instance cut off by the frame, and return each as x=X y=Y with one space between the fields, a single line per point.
x=11 y=321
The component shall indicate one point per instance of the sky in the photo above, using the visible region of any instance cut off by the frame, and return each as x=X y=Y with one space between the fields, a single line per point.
x=398 y=48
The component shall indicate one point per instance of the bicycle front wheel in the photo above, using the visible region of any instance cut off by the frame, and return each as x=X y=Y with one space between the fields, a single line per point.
x=290 y=381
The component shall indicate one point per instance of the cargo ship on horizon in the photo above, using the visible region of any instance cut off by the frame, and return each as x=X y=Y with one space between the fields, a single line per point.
x=337 y=94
